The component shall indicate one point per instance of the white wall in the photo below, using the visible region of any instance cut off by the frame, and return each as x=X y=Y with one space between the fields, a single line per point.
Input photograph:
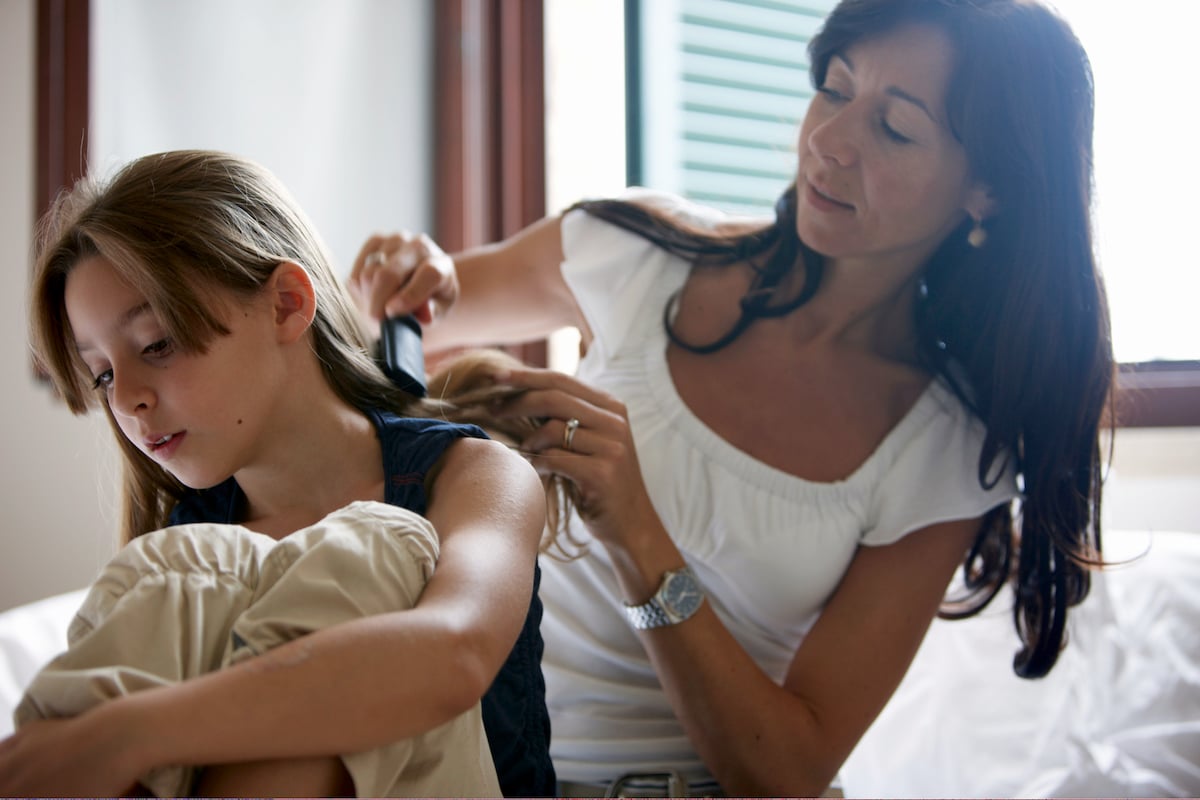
x=333 y=97
x=339 y=110
x=55 y=530
x=1154 y=480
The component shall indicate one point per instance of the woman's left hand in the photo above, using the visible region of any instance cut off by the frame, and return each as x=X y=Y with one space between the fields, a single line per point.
x=586 y=439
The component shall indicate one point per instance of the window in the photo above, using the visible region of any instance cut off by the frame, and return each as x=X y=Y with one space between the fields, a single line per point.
x=708 y=74
x=1146 y=169
x=722 y=86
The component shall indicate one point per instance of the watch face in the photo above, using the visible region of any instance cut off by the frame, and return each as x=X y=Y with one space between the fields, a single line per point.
x=682 y=595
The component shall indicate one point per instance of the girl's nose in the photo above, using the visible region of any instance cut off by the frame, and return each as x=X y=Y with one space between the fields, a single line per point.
x=130 y=394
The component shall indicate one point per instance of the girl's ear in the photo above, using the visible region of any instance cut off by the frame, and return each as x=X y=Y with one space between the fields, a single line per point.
x=294 y=300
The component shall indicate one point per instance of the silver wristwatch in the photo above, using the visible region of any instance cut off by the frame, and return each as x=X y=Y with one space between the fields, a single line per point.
x=678 y=597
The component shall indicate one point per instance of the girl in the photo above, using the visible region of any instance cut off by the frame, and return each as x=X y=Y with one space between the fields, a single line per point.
x=190 y=299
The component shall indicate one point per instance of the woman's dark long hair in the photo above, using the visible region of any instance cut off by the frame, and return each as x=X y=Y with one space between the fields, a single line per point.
x=1018 y=328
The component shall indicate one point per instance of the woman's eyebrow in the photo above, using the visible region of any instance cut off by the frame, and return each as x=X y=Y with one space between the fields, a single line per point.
x=894 y=91
x=897 y=92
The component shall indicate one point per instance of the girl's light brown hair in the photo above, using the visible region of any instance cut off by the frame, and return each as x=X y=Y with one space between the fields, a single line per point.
x=192 y=229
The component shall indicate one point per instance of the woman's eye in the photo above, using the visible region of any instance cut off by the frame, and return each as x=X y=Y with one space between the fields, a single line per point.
x=893 y=134
x=103 y=380
x=832 y=94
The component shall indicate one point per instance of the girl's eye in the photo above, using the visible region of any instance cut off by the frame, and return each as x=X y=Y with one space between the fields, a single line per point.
x=103 y=380
x=159 y=349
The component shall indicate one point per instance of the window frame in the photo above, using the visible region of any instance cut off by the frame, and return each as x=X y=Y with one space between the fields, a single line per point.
x=490 y=159
x=63 y=49
x=490 y=149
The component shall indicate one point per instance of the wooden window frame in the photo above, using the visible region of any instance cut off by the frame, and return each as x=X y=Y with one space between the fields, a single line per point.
x=489 y=112
x=489 y=174
x=1158 y=394
x=63 y=37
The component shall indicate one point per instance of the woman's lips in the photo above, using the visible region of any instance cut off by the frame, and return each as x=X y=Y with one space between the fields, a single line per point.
x=825 y=202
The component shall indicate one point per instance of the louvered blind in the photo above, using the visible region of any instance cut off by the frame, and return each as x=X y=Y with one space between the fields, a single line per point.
x=717 y=92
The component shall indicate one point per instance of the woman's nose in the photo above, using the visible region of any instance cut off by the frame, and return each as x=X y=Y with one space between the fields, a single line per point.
x=835 y=138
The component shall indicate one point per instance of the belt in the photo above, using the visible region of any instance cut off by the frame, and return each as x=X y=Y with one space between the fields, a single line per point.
x=656 y=784
x=640 y=784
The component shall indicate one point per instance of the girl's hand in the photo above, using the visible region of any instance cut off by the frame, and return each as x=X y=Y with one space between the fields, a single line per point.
x=403 y=274
x=597 y=454
x=65 y=758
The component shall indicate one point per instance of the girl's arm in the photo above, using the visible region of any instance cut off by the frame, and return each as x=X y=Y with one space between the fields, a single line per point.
x=343 y=689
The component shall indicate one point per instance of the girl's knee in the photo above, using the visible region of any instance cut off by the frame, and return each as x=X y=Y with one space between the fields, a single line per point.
x=298 y=777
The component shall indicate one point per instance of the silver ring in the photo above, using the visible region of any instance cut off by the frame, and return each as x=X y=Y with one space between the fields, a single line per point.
x=378 y=255
x=569 y=432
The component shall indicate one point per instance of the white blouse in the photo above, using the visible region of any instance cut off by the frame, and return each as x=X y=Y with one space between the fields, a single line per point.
x=769 y=548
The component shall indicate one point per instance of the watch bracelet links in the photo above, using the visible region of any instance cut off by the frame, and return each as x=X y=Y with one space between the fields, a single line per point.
x=659 y=611
x=648 y=615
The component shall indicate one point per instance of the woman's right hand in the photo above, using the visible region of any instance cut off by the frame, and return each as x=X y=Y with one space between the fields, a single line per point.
x=502 y=293
x=403 y=273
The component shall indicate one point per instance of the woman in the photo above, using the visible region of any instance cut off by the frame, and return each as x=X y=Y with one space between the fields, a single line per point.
x=190 y=300
x=788 y=437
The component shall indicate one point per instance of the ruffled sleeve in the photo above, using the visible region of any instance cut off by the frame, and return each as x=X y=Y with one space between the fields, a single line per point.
x=934 y=475
x=616 y=278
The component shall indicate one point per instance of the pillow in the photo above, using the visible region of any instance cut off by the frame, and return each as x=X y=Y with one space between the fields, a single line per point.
x=31 y=635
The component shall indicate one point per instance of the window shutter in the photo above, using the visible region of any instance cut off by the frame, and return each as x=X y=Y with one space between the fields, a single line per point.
x=717 y=92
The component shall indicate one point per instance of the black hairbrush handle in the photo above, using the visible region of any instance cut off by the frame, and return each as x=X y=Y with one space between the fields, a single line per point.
x=402 y=354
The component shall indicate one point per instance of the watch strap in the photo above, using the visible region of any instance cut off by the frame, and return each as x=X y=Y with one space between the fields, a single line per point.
x=658 y=612
x=647 y=615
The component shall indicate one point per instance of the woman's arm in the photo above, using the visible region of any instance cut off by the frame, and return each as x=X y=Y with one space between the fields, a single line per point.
x=507 y=292
x=756 y=737
x=343 y=689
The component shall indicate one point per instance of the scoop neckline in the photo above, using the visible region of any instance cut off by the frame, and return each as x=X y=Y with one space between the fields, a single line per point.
x=722 y=451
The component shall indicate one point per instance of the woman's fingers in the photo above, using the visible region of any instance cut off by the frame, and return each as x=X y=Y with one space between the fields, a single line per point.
x=561 y=437
x=558 y=393
x=586 y=440
x=374 y=252
x=403 y=273
x=431 y=285
x=559 y=408
x=371 y=282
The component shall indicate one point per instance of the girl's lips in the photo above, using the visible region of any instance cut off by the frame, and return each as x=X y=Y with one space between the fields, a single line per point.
x=164 y=446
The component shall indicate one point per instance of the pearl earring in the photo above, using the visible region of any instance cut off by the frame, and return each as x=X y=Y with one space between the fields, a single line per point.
x=977 y=238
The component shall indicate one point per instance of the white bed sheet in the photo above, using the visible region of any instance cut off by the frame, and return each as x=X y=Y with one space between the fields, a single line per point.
x=1118 y=716
x=31 y=635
